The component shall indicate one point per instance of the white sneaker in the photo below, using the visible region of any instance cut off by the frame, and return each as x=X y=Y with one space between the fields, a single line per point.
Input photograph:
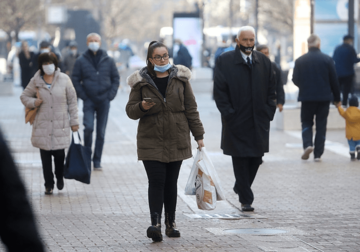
x=317 y=159
x=307 y=153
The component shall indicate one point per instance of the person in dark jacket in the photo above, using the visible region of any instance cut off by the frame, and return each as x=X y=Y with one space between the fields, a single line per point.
x=245 y=96
x=26 y=63
x=45 y=47
x=182 y=55
x=345 y=57
x=315 y=76
x=18 y=229
x=280 y=94
x=96 y=80
x=70 y=58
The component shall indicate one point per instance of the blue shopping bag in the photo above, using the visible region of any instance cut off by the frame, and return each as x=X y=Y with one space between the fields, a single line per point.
x=78 y=161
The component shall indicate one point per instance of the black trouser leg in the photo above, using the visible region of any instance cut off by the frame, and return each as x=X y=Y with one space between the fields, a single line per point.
x=322 y=113
x=255 y=162
x=346 y=85
x=308 y=110
x=170 y=190
x=47 y=168
x=59 y=158
x=245 y=169
x=162 y=184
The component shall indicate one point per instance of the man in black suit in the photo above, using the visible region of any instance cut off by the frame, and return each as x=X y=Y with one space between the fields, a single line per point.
x=244 y=93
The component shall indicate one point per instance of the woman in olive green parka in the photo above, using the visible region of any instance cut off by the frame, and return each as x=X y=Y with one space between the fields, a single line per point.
x=162 y=98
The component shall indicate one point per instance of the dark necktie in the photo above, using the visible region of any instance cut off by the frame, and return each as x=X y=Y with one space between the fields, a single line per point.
x=248 y=61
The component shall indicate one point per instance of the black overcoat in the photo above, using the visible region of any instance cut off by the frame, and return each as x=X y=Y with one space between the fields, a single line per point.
x=245 y=97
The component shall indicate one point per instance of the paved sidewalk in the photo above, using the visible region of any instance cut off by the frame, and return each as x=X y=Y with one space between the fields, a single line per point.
x=317 y=204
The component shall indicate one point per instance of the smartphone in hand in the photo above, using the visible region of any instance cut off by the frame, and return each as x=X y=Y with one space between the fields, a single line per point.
x=148 y=100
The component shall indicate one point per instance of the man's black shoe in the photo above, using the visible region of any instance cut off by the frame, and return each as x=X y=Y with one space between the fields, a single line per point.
x=60 y=184
x=247 y=208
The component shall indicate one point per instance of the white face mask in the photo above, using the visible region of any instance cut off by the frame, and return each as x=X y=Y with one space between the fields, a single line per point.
x=74 y=52
x=94 y=46
x=49 y=69
x=45 y=50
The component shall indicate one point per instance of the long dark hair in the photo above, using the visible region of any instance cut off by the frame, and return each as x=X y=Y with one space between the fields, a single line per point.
x=151 y=48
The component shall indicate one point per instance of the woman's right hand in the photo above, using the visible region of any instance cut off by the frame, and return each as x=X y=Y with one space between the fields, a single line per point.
x=38 y=102
x=147 y=105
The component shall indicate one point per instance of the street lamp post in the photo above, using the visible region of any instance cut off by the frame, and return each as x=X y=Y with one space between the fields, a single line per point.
x=256 y=20
x=351 y=18
x=312 y=7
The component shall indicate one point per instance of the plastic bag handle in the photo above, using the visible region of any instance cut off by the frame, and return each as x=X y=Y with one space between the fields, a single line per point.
x=76 y=137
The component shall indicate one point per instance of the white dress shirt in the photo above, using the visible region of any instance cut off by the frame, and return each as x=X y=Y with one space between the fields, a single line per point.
x=245 y=56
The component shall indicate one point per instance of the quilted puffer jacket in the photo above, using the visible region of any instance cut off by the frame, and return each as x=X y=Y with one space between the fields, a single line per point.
x=164 y=130
x=58 y=111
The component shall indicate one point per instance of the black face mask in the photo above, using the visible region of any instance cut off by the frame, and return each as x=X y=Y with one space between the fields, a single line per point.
x=246 y=49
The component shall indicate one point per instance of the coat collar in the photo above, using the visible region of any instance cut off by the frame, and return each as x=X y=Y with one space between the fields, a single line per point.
x=240 y=60
x=39 y=82
x=88 y=55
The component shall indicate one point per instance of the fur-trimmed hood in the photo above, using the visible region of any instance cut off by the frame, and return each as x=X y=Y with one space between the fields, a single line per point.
x=178 y=71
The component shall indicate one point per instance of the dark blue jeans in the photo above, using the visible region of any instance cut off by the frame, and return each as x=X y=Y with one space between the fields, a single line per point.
x=102 y=111
x=319 y=110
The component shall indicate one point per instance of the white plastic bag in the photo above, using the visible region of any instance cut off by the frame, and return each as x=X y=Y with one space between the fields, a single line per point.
x=205 y=188
x=190 y=185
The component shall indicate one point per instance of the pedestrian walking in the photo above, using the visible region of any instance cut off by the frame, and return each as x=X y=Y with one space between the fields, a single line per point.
x=26 y=64
x=245 y=96
x=315 y=76
x=70 y=58
x=345 y=57
x=280 y=94
x=18 y=230
x=57 y=113
x=44 y=47
x=96 y=80
x=162 y=98
x=352 y=118
x=181 y=54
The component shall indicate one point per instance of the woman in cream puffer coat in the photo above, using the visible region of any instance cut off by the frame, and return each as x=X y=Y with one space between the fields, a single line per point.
x=57 y=114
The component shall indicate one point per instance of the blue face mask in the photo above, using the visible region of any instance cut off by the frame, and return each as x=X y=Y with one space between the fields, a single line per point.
x=162 y=69
x=94 y=46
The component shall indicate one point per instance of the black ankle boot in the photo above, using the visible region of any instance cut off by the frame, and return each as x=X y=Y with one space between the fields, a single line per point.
x=154 y=231
x=171 y=230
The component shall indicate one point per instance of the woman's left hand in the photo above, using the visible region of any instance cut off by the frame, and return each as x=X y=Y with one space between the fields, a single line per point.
x=200 y=144
x=75 y=128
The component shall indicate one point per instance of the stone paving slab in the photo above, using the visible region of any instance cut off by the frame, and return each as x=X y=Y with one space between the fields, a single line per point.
x=316 y=203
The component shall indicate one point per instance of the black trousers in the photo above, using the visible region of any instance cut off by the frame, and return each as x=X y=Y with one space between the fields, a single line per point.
x=245 y=169
x=46 y=159
x=319 y=110
x=162 y=185
x=346 y=86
